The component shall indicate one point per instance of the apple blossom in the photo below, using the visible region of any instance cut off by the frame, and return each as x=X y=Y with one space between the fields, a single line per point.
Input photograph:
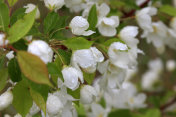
x=79 y=25
x=88 y=94
x=53 y=104
x=30 y=7
x=42 y=50
x=107 y=26
x=71 y=76
x=54 y=4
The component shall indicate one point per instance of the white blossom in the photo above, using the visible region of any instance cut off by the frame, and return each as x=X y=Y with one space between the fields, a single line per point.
x=54 y=4
x=98 y=111
x=30 y=7
x=5 y=100
x=170 y=65
x=79 y=25
x=152 y=76
x=71 y=76
x=107 y=26
x=144 y=19
x=87 y=94
x=87 y=59
x=41 y=49
x=75 y=5
x=3 y=41
x=125 y=98
x=120 y=57
x=157 y=37
x=53 y=105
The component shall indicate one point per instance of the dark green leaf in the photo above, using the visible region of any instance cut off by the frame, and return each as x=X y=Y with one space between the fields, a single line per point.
x=14 y=70
x=20 y=45
x=120 y=113
x=93 y=18
x=50 y=22
x=18 y=14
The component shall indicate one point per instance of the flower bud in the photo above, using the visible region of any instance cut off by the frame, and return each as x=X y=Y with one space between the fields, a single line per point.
x=5 y=100
x=42 y=50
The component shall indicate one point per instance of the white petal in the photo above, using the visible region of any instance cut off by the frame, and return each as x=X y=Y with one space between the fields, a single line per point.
x=5 y=100
x=88 y=33
x=98 y=56
x=103 y=10
x=107 y=31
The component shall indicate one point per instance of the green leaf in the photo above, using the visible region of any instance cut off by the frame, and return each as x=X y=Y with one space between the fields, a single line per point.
x=33 y=68
x=14 y=70
x=20 y=45
x=153 y=113
x=77 y=43
x=38 y=99
x=2 y=61
x=93 y=18
x=53 y=69
x=12 y=2
x=40 y=88
x=66 y=56
x=21 y=27
x=3 y=78
x=4 y=17
x=22 y=101
x=169 y=10
x=89 y=78
x=18 y=14
x=50 y=22
x=75 y=94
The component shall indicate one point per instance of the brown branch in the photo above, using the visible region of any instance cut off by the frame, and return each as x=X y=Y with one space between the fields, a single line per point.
x=163 y=107
x=132 y=12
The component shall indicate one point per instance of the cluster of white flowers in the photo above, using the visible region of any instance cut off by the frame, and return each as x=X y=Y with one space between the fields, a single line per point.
x=113 y=83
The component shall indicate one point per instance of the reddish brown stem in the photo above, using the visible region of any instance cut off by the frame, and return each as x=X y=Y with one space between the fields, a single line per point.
x=163 y=107
x=132 y=12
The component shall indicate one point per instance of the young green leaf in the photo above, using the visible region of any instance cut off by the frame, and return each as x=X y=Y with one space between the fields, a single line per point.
x=38 y=99
x=3 y=78
x=77 y=43
x=21 y=27
x=14 y=70
x=22 y=100
x=89 y=78
x=33 y=68
x=169 y=10
x=92 y=18
x=12 y=2
x=4 y=17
